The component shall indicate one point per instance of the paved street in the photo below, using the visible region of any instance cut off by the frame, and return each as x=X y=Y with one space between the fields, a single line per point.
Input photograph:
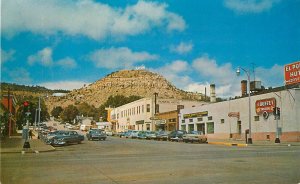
x=123 y=161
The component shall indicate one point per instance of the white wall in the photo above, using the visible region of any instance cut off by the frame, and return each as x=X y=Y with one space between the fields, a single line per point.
x=288 y=101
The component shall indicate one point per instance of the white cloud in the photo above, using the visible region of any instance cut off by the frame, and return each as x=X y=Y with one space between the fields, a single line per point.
x=209 y=68
x=250 y=6
x=119 y=58
x=182 y=48
x=44 y=58
x=19 y=76
x=67 y=63
x=7 y=55
x=270 y=77
x=66 y=85
x=223 y=76
x=175 y=72
x=198 y=87
x=86 y=17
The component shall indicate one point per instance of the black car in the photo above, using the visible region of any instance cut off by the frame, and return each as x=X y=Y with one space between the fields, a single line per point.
x=176 y=135
x=96 y=134
x=67 y=137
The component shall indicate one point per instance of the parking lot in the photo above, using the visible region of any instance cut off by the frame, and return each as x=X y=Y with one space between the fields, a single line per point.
x=120 y=160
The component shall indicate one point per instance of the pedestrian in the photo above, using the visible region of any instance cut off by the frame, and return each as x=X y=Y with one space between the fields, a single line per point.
x=30 y=134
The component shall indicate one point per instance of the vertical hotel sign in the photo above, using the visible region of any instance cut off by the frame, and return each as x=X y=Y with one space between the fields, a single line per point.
x=292 y=73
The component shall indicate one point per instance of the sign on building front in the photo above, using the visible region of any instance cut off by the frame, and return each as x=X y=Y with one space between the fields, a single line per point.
x=292 y=73
x=265 y=105
x=195 y=115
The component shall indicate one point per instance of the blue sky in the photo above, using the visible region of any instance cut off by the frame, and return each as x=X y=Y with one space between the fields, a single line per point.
x=66 y=44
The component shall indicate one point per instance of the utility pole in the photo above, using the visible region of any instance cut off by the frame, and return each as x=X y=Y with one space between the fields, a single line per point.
x=9 y=113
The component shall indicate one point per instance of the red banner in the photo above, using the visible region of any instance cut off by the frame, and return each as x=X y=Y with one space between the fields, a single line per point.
x=292 y=73
x=265 y=105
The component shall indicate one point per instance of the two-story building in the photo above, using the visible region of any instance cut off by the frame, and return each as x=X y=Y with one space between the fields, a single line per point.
x=140 y=114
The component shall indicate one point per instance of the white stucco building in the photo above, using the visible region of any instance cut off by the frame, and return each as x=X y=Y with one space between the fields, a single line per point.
x=139 y=115
x=230 y=119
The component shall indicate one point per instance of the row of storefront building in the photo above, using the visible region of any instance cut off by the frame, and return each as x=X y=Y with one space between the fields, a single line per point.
x=218 y=120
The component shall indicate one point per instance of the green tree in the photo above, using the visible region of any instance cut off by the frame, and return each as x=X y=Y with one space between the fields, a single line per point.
x=4 y=122
x=69 y=114
x=56 y=111
x=21 y=116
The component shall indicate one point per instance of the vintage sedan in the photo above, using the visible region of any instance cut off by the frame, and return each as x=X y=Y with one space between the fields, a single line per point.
x=67 y=137
x=162 y=136
x=194 y=136
x=176 y=135
x=96 y=134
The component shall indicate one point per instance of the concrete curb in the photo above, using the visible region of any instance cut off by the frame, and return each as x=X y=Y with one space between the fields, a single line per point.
x=255 y=144
x=27 y=150
x=228 y=144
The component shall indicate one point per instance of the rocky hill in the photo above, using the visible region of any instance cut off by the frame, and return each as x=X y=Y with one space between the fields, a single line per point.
x=125 y=82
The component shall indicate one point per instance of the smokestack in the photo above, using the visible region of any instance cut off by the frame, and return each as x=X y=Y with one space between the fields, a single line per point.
x=213 y=93
x=205 y=95
x=244 y=87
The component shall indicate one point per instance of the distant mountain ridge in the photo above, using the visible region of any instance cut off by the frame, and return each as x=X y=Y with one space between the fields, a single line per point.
x=125 y=82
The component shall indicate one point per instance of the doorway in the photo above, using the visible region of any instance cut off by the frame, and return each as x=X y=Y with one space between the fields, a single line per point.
x=239 y=127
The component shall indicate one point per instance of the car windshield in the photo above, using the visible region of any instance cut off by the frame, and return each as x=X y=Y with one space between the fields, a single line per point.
x=95 y=131
x=196 y=132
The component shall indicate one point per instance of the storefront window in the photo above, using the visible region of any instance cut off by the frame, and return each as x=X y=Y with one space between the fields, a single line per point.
x=210 y=127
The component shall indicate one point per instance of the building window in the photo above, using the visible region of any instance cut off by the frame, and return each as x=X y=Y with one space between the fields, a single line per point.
x=142 y=108
x=209 y=117
x=180 y=107
x=199 y=119
x=157 y=108
x=256 y=118
x=191 y=127
x=172 y=120
x=183 y=121
x=190 y=120
x=210 y=128
x=222 y=120
x=148 y=107
x=183 y=127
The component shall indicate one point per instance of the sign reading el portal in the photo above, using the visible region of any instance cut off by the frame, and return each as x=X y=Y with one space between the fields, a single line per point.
x=292 y=73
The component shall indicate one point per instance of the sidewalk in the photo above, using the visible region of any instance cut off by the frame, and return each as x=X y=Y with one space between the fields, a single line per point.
x=242 y=143
x=15 y=145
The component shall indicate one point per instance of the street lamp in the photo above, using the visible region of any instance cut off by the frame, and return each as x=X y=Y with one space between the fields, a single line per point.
x=238 y=72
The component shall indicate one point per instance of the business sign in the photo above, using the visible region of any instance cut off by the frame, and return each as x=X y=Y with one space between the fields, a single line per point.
x=292 y=73
x=265 y=105
x=195 y=115
x=234 y=114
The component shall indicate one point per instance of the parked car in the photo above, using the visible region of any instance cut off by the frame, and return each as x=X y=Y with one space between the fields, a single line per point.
x=176 y=135
x=121 y=134
x=195 y=136
x=128 y=134
x=142 y=135
x=109 y=133
x=162 y=136
x=96 y=134
x=67 y=137
x=134 y=134
x=151 y=135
